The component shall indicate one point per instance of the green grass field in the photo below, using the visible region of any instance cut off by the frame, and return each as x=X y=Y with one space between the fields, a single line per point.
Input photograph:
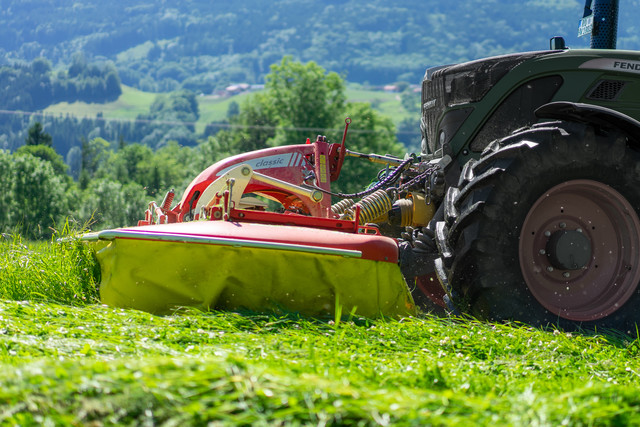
x=67 y=360
x=215 y=109
x=133 y=102
x=386 y=103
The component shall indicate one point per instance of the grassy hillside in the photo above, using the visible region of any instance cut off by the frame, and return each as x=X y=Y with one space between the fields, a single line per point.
x=64 y=359
x=387 y=103
x=212 y=109
x=131 y=103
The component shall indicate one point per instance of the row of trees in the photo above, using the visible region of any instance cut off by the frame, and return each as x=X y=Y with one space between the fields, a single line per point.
x=33 y=86
x=115 y=179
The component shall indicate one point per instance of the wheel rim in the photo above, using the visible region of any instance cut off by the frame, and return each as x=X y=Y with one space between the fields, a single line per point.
x=579 y=250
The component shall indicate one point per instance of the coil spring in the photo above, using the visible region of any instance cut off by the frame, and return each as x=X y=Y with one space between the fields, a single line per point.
x=375 y=207
x=406 y=211
x=168 y=199
x=340 y=207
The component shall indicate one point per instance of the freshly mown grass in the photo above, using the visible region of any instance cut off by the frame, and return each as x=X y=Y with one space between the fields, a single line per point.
x=71 y=361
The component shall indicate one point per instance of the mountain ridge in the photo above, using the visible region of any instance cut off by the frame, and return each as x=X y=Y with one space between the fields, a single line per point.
x=203 y=46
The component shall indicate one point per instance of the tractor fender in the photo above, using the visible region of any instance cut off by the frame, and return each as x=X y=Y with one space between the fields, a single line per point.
x=592 y=115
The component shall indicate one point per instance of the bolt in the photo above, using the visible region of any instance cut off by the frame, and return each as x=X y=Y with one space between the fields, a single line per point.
x=563 y=225
x=542 y=252
x=245 y=171
x=547 y=234
x=316 y=196
x=566 y=274
x=549 y=269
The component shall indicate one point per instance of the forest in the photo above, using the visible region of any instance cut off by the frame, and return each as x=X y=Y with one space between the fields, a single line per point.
x=203 y=46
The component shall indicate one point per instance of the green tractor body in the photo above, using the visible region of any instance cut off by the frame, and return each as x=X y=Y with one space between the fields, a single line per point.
x=466 y=106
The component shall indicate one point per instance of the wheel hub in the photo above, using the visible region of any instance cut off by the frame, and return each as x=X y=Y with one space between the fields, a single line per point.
x=568 y=249
x=579 y=250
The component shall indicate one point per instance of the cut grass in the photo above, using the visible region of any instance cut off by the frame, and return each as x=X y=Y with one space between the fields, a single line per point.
x=83 y=363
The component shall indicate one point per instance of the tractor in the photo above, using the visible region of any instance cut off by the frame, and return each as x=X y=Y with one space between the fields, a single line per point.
x=538 y=191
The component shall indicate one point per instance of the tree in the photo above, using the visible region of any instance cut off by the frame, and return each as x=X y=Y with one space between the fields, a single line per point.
x=37 y=136
x=112 y=86
x=128 y=163
x=79 y=65
x=304 y=99
x=212 y=150
x=177 y=166
x=38 y=197
x=307 y=99
x=233 y=109
x=410 y=101
x=177 y=114
x=40 y=66
x=110 y=204
x=46 y=153
x=182 y=104
x=253 y=127
x=74 y=160
x=95 y=156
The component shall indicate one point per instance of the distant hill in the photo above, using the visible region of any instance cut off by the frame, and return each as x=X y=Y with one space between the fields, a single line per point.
x=205 y=45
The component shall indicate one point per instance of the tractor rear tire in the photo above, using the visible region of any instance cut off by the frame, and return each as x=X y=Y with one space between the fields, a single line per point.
x=544 y=229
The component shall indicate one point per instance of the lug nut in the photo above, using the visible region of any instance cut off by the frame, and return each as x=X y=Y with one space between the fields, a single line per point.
x=547 y=234
x=566 y=274
x=563 y=225
x=579 y=230
x=542 y=252
x=549 y=269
